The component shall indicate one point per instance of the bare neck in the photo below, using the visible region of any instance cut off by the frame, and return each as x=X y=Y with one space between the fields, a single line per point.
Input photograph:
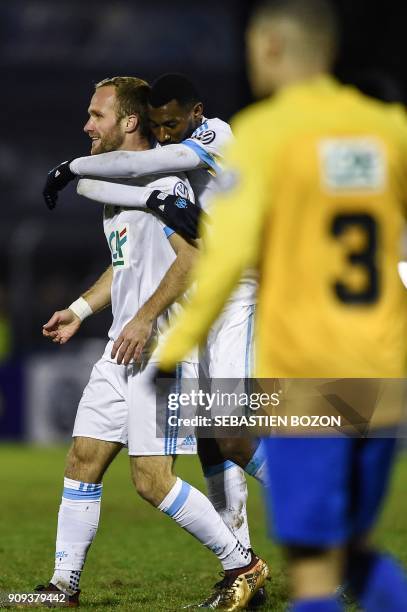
x=292 y=73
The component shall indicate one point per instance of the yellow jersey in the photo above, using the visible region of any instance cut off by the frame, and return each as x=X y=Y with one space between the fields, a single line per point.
x=314 y=193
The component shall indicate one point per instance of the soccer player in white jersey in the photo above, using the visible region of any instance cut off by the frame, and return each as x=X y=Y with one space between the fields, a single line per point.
x=118 y=405
x=192 y=143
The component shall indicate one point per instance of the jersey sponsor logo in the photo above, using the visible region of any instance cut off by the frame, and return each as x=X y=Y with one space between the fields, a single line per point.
x=180 y=189
x=119 y=246
x=205 y=137
x=352 y=164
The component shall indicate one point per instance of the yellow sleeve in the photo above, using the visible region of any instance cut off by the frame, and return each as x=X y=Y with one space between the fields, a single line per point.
x=230 y=245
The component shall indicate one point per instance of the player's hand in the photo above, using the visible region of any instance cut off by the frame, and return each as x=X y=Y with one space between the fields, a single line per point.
x=62 y=326
x=182 y=215
x=57 y=179
x=132 y=340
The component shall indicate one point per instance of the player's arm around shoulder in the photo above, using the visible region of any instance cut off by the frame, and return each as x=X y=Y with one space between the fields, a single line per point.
x=134 y=164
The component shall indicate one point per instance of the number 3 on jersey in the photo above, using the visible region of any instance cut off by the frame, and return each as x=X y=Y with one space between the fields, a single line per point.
x=363 y=258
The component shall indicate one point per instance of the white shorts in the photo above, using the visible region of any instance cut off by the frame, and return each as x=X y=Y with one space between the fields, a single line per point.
x=229 y=351
x=119 y=405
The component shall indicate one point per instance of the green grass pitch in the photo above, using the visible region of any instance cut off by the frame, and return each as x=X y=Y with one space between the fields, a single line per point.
x=140 y=559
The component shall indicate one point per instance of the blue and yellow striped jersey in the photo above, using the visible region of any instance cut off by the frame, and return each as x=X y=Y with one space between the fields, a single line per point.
x=314 y=194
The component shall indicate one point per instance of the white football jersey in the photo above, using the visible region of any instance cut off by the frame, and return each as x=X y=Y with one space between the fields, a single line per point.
x=207 y=141
x=141 y=255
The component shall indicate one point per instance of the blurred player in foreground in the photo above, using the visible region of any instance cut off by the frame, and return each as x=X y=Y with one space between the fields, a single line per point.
x=314 y=193
x=118 y=406
x=193 y=143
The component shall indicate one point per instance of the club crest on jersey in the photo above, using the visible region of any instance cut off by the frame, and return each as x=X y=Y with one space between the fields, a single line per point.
x=180 y=203
x=119 y=246
x=205 y=137
x=180 y=189
x=352 y=164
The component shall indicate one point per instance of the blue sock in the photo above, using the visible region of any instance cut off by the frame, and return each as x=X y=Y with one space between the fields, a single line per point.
x=378 y=582
x=322 y=604
x=257 y=465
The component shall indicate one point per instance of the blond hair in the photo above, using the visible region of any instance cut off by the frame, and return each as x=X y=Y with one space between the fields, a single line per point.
x=131 y=98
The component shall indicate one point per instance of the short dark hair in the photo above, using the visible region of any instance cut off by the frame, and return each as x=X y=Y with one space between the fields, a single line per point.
x=318 y=18
x=173 y=87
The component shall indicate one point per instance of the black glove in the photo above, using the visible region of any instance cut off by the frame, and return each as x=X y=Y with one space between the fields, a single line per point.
x=180 y=214
x=57 y=179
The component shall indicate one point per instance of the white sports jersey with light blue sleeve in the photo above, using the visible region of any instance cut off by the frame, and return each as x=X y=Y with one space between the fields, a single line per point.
x=208 y=141
x=119 y=402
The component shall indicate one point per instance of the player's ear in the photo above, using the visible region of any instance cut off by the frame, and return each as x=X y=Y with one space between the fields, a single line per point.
x=273 y=43
x=197 y=111
x=131 y=123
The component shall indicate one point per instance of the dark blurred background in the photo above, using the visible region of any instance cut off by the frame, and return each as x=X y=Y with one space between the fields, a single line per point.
x=51 y=53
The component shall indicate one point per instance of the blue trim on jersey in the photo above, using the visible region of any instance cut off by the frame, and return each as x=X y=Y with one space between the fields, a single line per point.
x=178 y=374
x=180 y=500
x=249 y=343
x=168 y=412
x=203 y=154
x=256 y=461
x=204 y=126
x=212 y=470
x=168 y=231
x=248 y=365
x=171 y=431
x=77 y=494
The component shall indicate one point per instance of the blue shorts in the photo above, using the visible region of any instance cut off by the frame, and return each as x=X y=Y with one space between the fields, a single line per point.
x=325 y=491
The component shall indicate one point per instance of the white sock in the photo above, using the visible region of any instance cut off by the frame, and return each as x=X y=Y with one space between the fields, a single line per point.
x=257 y=466
x=227 y=490
x=195 y=513
x=78 y=521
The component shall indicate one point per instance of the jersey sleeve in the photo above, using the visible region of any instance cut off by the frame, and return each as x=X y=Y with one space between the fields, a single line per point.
x=177 y=185
x=208 y=142
x=173 y=185
x=117 y=194
x=133 y=164
x=238 y=215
